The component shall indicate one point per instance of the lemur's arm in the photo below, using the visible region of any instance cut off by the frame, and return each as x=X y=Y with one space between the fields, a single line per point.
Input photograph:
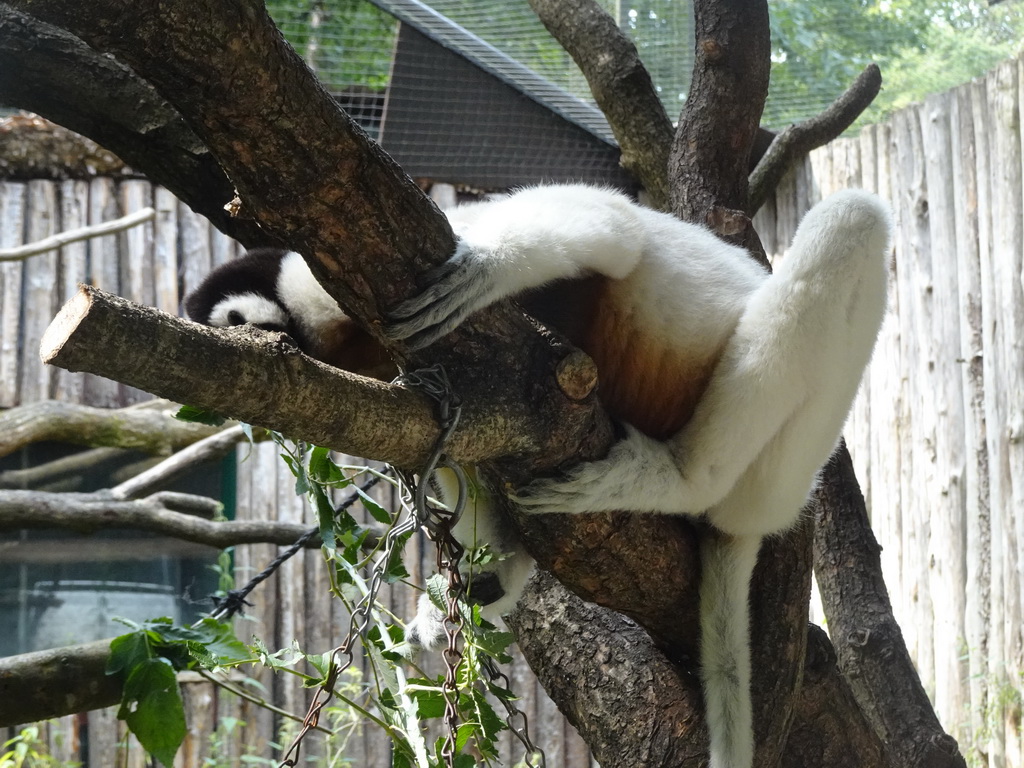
x=510 y=245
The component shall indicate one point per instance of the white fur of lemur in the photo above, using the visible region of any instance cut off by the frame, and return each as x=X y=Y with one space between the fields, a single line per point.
x=733 y=384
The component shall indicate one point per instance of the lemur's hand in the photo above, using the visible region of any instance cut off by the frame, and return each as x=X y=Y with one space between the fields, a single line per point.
x=638 y=474
x=467 y=282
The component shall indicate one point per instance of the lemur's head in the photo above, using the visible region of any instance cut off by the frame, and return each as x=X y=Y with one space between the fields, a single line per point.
x=274 y=290
x=241 y=292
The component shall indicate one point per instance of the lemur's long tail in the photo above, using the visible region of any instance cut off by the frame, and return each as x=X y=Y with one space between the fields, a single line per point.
x=727 y=563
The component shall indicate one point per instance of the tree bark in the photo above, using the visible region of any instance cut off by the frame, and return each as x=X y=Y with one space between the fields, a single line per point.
x=62 y=681
x=872 y=654
x=90 y=512
x=140 y=429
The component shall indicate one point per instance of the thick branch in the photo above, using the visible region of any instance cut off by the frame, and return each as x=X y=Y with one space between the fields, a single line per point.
x=249 y=375
x=91 y=512
x=872 y=654
x=633 y=707
x=717 y=130
x=61 y=77
x=829 y=728
x=621 y=86
x=62 y=681
x=797 y=140
x=141 y=429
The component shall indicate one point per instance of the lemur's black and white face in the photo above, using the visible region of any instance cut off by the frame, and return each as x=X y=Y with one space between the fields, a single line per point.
x=249 y=309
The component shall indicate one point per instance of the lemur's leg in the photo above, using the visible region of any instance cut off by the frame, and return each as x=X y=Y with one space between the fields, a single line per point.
x=509 y=245
x=794 y=360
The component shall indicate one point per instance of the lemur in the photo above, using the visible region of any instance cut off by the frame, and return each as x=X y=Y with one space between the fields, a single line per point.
x=732 y=383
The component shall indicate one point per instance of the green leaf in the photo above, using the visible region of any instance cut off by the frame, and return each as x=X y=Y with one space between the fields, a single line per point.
x=377 y=512
x=325 y=517
x=196 y=415
x=127 y=652
x=323 y=469
x=428 y=697
x=151 y=707
x=490 y=724
x=395 y=570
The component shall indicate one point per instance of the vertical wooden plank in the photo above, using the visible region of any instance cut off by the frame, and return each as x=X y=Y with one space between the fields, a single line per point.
x=41 y=292
x=197 y=697
x=12 y=232
x=195 y=253
x=1013 y=326
x=914 y=294
x=1005 y=235
x=74 y=268
x=978 y=540
x=288 y=582
x=887 y=384
x=104 y=273
x=257 y=496
x=222 y=247
x=102 y=739
x=136 y=263
x=947 y=572
x=165 y=251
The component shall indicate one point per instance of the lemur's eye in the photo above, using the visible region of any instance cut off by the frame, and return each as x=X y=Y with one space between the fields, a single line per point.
x=235 y=318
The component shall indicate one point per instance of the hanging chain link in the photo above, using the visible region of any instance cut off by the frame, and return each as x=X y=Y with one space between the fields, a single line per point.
x=515 y=718
x=439 y=524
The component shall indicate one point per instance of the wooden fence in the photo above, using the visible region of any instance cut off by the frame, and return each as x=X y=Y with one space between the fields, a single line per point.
x=156 y=264
x=937 y=433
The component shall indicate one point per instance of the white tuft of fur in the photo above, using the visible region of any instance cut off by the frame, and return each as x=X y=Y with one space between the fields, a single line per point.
x=310 y=306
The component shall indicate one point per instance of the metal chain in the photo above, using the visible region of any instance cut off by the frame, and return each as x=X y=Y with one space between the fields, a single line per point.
x=515 y=718
x=433 y=382
x=438 y=523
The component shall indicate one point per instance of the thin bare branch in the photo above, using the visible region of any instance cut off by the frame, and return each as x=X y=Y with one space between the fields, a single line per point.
x=621 y=86
x=213 y=447
x=91 y=512
x=797 y=140
x=54 y=242
x=142 y=429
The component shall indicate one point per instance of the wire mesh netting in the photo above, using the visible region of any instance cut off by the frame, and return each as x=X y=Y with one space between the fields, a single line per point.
x=923 y=46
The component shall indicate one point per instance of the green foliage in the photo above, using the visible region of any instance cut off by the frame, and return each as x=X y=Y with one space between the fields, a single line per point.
x=400 y=703
x=194 y=414
x=148 y=658
x=346 y=42
x=27 y=750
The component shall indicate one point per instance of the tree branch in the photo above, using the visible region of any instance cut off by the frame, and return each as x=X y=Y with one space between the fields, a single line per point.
x=710 y=156
x=254 y=376
x=213 y=447
x=872 y=654
x=90 y=512
x=797 y=140
x=76 y=235
x=633 y=706
x=93 y=94
x=63 y=681
x=621 y=86
x=141 y=429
